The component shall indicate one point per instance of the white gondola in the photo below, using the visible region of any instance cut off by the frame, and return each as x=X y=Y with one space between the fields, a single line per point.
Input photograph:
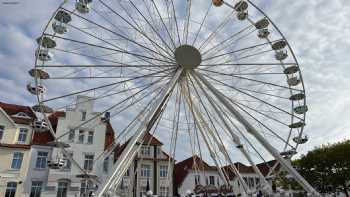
x=42 y=108
x=36 y=90
x=63 y=16
x=262 y=24
x=297 y=97
x=241 y=6
x=59 y=27
x=297 y=125
x=293 y=81
x=279 y=45
x=43 y=54
x=36 y=72
x=242 y=15
x=281 y=55
x=291 y=70
x=218 y=3
x=301 y=109
x=40 y=126
x=289 y=153
x=46 y=42
x=301 y=140
x=263 y=33
x=83 y=6
x=57 y=163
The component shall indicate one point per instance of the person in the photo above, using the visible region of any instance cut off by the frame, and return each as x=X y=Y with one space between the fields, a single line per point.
x=260 y=194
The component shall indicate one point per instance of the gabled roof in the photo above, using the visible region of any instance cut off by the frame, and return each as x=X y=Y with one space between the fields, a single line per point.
x=148 y=138
x=193 y=163
x=265 y=167
x=12 y=109
x=240 y=167
x=151 y=140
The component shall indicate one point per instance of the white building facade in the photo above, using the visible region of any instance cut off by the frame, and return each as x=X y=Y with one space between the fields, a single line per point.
x=86 y=144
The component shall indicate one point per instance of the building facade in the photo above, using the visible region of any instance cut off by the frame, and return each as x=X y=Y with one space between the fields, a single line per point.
x=193 y=175
x=151 y=170
x=86 y=143
x=19 y=149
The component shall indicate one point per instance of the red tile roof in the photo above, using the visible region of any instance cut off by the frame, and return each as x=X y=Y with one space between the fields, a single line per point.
x=182 y=168
x=42 y=138
x=12 y=109
x=151 y=140
x=265 y=167
x=154 y=142
x=240 y=167
x=109 y=139
x=53 y=118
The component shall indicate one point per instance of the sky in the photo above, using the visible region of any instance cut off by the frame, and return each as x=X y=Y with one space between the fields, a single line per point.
x=316 y=29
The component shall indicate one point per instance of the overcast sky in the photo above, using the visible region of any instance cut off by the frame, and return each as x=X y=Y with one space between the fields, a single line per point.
x=318 y=31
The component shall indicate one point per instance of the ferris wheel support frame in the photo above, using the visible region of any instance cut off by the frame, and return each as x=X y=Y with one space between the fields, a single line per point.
x=201 y=123
x=237 y=141
x=307 y=187
x=131 y=149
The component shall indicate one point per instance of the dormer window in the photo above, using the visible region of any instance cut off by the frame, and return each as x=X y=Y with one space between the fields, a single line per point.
x=22 y=115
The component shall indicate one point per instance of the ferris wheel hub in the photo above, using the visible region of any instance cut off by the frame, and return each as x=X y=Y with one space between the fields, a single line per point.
x=188 y=57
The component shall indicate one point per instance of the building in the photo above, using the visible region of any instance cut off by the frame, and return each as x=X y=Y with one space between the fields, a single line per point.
x=19 y=148
x=86 y=143
x=193 y=174
x=151 y=170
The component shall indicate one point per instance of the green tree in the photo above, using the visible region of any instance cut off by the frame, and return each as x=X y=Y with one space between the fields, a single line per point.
x=327 y=167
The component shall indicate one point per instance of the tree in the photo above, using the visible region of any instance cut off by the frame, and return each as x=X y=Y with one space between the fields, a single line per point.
x=327 y=167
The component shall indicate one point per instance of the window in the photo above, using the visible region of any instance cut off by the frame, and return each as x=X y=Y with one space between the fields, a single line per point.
x=90 y=139
x=85 y=188
x=83 y=115
x=106 y=165
x=163 y=191
x=36 y=189
x=163 y=171
x=145 y=170
x=146 y=150
x=41 y=160
x=143 y=191
x=17 y=160
x=206 y=181
x=22 y=135
x=62 y=189
x=88 y=162
x=68 y=162
x=71 y=135
x=197 y=180
x=11 y=189
x=211 y=180
x=2 y=128
x=81 y=136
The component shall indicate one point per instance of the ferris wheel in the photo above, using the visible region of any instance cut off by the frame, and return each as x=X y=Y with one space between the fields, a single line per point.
x=215 y=77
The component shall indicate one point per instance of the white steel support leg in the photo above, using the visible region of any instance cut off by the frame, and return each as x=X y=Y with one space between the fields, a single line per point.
x=259 y=137
x=131 y=149
x=237 y=141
